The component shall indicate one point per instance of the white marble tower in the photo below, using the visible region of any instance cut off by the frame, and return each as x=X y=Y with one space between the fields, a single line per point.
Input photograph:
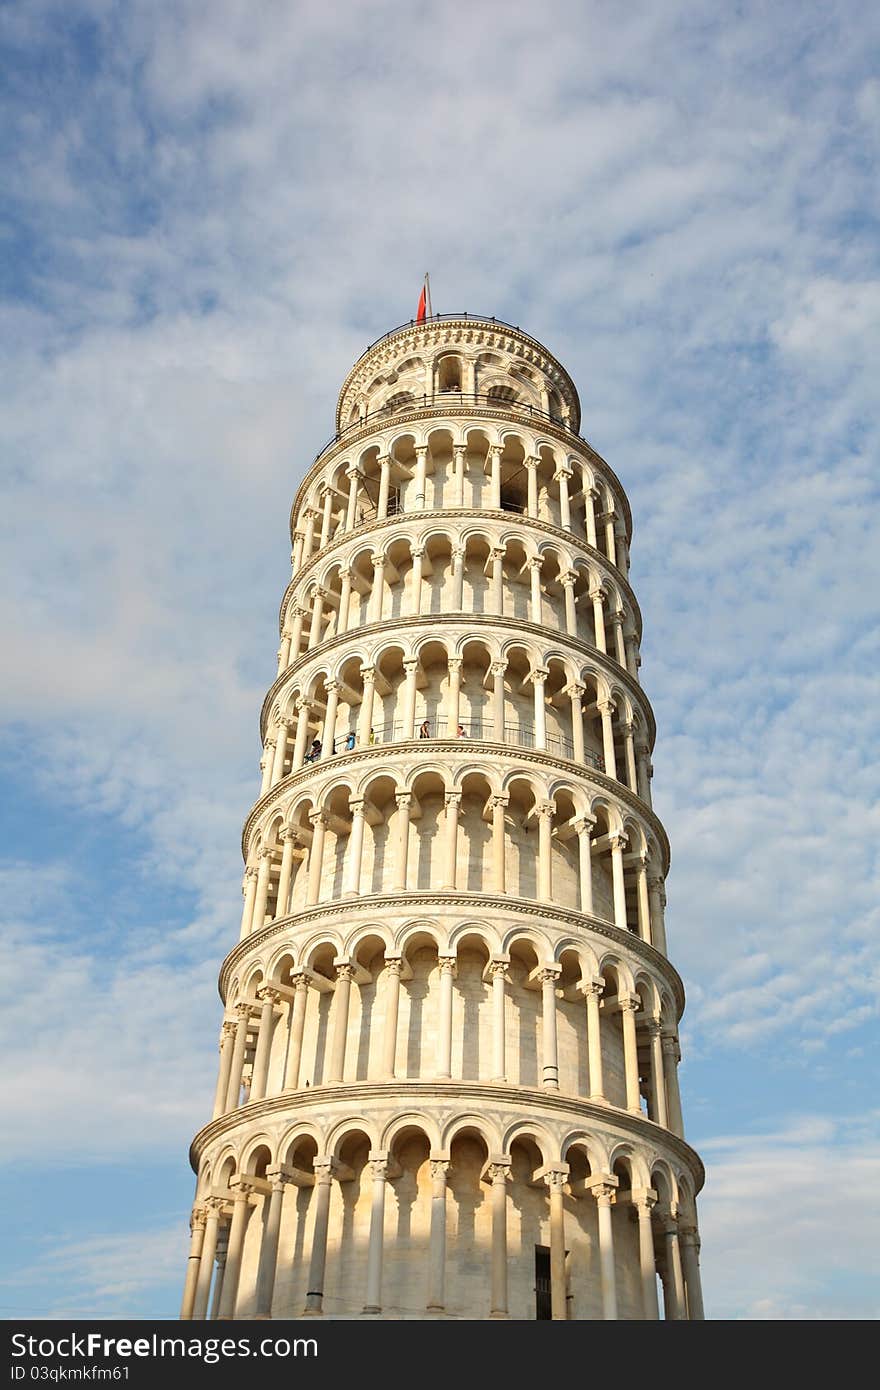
x=448 y=1061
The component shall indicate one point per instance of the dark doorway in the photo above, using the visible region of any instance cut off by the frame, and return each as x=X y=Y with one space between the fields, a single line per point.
x=543 y=1308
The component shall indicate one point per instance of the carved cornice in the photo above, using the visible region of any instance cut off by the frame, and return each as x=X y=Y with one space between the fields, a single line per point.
x=574 y=443
x=474 y=621
x=469 y=747
x=415 y=905
x=367 y=529
x=468 y=1097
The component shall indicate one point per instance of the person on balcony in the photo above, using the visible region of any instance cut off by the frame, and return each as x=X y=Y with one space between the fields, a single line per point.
x=424 y=729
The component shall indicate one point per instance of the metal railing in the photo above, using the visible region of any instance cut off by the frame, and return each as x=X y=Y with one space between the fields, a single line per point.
x=439 y=399
x=434 y=727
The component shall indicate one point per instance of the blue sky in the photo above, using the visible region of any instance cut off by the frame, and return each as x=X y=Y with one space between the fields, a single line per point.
x=209 y=210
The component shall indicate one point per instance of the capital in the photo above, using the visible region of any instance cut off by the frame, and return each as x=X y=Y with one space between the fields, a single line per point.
x=532 y=462
x=411 y=664
x=539 y=675
x=404 y=800
x=618 y=842
x=268 y=995
x=317 y=818
x=584 y=825
x=458 y=553
x=197 y=1219
x=266 y=852
x=379 y=1169
x=243 y=1011
x=300 y=981
x=556 y=1179
x=498 y=800
x=227 y=1031
x=448 y=965
x=249 y=874
x=455 y=663
x=345 y=972
x=498 y=968
x=453 y=800
x=378 y=561
x=289 y=833
x=598 y=595
x=549 y=973
x=439 y=1169
x=498 y=668
x=605 y=1194
x=368 y=674
x=356 y=805
x=618 y=617
x=499 y=1172
x=394 y=965
x=546 y=809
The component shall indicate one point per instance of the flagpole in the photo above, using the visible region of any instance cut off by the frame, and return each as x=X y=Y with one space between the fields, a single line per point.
x=428 y=294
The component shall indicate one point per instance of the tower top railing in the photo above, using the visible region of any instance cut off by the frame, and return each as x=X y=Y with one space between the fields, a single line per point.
x=450 y=399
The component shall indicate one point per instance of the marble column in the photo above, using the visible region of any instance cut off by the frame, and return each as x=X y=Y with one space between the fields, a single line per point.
x=411 y=668
x=213 y=1212
x=384 y=486
x=629 y=1003
x=592 y=991
x=499 y=1174
x=269 y=998
x=658 y=1081
x=497 y=670
x=657 y=900
x=535 y=610
x=240 y=1211
x=263 y=875
x=548 y=977
x=392 y=1005
x=671 y=1057
x=644 y=1202
x=379 y=1171
x=561 y=478
x=545 y=811
x=618 y=844
x=452 y=714
x=575 y=694
x=196 y=1241
x=689 y=1242
x=496 y=601
x=532 y=465
x=289 y=840
x=374 y=614
x=420 y=477
x=458 y=556
x=498 y=972
x=315 y=627
x=583 y=826
x=269 y=1246
x=401 y=862
x=323 y=1168
x=447 y=966
x=498 y=805
x=437 y=1241
x=328 y=731
x=539 y=680
x=355 y=849
x=453 y=801
x=568 y=582
x=296 y=1029
x=365 y=717
x=341 y=1000
x=606 y=709
x=343 y=611
x=318 y=822
x=555 y=1181
x=249 y=888
x=605 y=1195
x=227 y=1044
x=242 y=1023
x=495 y=452
x=598 y=600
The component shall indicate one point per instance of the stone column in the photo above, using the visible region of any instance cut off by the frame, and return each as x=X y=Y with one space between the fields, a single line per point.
x=289 y=843
x=643 y=781
x=352 y=475
x=196 y=1241
x=323 y=1178
x=249 y=888
x=617 y=621
x=457 y=579
x=644 y=906
x=671 y=1057
x=561 y=477
x=379 y=1168
x=220 y=1272
x=539 y=678
x=227 y=1043
x=318 y=821
x=583 y=825
x=545 y=810
x=548 y=976
x=417 y=558
x=452 y=715
x=630 y=752
x=590 y=496
x=384 y=486
x=303 y=715
x=535 y=566
x=344 y=602
x=437 y=1244
x=499 y=856
x=644 y=1203
x=263 y=874
x=496 y=602
x=689 y=1242
x=610 y=537
x=269 y=1246
x=266 y=764
x=327 y=508
x=392 y=1004
x=240 y=1204
x=355 y=849
x=568 y=582
x=242 y=1021
x=269 y=998
x=365 y=717
x=532 y=464
x=280 y=751
x=658 y=1083
x=447 y=975
x=618 y=845
x=657 y=900
x=498 y=971
x=598 y=599
x=284 y=652
x=629 y=1003
x=299 y=617
x=374 y=614
x=421 y=473
x=317 y=619
x=404 y=802
x=344 y=976
x=675 y=1281
x=632 y=659
x=607 y=709
x=331 y=690
x=500 y=1176
x=213 y=1208
x=309 y=539
x=459 y=452
x=605 y=1195
x=495 y=452
x=555 y=1181
x=453 y=801
x=622 y=550
x=411 y=668
x=497 y=670
x=592 y=990
x=296 y=1029
x=297 y=552
x=575 y=694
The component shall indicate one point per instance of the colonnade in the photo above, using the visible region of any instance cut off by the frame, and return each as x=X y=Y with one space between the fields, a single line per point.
x=248 y=1034
x=668 y=1241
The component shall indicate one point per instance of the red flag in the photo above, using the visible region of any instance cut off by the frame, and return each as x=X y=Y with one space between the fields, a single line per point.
x=422 y=310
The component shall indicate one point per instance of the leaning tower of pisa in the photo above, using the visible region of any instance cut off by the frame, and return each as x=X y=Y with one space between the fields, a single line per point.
x=448 y=1058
